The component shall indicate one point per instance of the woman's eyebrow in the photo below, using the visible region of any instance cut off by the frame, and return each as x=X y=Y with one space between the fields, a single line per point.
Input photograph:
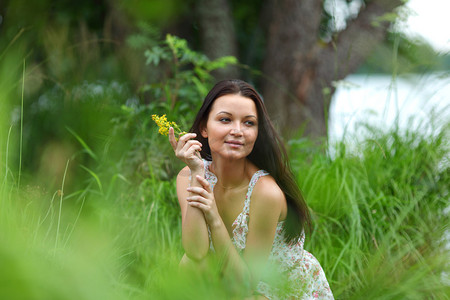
x=225 y=112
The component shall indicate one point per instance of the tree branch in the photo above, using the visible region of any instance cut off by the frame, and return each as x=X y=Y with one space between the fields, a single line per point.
x=357 y=41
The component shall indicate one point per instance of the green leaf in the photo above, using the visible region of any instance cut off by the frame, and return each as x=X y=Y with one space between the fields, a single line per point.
x=221 y=62
x=387 y=17
x=155 y=55
x=201 y=87
x=97 y=179
x=83 y=143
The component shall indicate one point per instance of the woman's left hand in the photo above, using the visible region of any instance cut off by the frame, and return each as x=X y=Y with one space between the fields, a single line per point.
x=203 y=198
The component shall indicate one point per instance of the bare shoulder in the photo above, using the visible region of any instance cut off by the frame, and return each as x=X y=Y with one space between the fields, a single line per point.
x=183 y=175
x=267 y=194
x=183 y=183
x=267 y=207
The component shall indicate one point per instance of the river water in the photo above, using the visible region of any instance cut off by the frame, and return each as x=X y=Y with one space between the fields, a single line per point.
x=410 y=101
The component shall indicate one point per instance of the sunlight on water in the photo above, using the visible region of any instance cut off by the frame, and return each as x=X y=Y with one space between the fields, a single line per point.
x=413 y=101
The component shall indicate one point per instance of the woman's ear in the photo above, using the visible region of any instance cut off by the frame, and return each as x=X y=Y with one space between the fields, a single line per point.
x=204 y=132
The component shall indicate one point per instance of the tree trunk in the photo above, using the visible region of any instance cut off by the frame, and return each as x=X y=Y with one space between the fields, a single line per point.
x=217 y=33
x=299 y=69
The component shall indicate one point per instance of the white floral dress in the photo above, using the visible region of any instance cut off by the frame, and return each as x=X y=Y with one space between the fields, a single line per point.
x=306 y=278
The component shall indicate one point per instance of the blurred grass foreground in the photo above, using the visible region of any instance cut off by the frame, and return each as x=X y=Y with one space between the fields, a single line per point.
x=89 y=210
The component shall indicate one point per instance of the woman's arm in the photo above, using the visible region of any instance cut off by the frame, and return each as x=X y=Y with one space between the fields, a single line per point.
x=268 y=206
x=194 y=230
x=195 y=237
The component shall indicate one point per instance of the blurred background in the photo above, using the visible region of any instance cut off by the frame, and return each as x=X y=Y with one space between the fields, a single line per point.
x=359 y=90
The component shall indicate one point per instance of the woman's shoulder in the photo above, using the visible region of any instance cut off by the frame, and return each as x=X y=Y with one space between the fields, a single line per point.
x=268 y=200
x=185 y=172
x=183 y=177
x=267 y=192
x=266 y=185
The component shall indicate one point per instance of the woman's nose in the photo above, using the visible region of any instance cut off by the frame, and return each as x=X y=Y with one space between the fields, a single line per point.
x=236 y=130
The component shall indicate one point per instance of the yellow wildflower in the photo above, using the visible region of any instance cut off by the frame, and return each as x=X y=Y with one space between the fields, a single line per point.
x=164 y=125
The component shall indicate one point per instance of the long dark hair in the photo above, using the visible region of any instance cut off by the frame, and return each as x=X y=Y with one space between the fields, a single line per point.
x=268 y=153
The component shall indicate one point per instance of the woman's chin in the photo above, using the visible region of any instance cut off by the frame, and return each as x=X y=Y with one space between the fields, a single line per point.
x=233 y=154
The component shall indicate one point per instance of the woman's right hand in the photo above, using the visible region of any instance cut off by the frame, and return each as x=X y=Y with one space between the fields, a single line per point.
x=187 y=149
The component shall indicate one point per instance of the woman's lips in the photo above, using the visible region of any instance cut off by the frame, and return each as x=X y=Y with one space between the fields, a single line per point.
x=234 y=144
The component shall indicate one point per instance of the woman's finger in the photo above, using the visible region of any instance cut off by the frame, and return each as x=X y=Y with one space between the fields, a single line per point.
x=190 y=143
x=204 y=183
x=196 y=198
x=193 y=150
x=189 y=152
x=172 y=139
x=185 y=142
x=198 y=191
x=184 y=138
x=189 y=149
x=199 y=205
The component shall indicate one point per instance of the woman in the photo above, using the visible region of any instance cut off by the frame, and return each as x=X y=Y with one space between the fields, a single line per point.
x=239 y=199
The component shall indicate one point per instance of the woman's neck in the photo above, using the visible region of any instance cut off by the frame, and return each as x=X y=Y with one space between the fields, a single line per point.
x=230 y=173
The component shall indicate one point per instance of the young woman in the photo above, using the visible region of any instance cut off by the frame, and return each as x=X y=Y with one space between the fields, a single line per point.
x=239 y=199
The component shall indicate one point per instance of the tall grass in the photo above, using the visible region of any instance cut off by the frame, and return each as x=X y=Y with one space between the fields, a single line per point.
x=379 y=228
x=111 y=228
x=380 y=214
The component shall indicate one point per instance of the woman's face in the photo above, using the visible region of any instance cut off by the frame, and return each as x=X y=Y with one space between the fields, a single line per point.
x=232 y=126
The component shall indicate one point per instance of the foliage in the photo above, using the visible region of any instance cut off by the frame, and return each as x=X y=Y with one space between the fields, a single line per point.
x=408 y=57
x=111 y=109
x=96 y=216
x=179 y=84
x=189 y=74
x=380 y=219
x=378 y=214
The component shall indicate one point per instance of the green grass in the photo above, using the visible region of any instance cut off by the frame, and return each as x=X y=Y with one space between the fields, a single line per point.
x=108 y=227
x=378 y=214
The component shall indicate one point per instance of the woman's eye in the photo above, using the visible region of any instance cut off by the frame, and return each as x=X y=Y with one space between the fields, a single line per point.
x=224 y=119
x=250 y=123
